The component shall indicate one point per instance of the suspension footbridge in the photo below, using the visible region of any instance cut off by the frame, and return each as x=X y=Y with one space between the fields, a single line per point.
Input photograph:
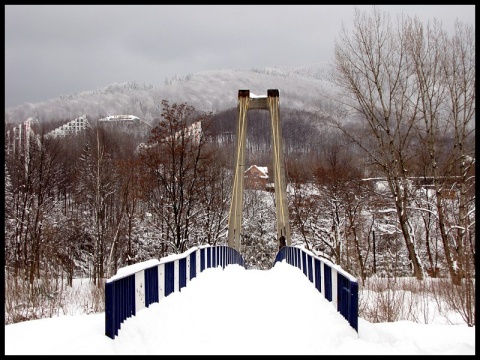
x=135 y=288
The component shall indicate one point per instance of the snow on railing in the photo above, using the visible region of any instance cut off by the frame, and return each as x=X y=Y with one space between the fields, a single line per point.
x=137 y=286
x=336 y=285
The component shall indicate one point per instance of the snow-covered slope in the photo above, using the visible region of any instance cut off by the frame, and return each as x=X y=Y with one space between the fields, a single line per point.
x=218 y=89
x=215 y=90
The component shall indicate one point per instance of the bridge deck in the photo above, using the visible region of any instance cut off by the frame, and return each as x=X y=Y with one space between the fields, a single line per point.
x=275 y=311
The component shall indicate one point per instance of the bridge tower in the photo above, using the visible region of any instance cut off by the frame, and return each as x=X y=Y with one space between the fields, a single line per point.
x=270 y=103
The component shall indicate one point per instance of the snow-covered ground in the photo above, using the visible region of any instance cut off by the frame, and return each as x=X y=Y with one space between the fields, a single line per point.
x=237 y=311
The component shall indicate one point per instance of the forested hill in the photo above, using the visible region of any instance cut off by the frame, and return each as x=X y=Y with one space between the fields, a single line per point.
x=302 y=88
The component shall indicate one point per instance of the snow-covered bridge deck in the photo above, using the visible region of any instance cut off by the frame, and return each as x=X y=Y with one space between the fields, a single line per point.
x=136 y=287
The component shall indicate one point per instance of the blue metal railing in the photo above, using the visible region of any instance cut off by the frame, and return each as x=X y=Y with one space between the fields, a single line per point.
x=137 y=286
x=336 y=285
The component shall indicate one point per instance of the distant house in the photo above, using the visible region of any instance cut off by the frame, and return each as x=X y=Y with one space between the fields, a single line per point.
x=256 y=177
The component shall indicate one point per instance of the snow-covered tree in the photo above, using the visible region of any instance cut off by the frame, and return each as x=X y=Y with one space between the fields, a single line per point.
x=98 y=186
x=175 y=160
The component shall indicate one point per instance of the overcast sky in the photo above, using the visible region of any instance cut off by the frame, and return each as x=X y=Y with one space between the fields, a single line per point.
x=54 y=50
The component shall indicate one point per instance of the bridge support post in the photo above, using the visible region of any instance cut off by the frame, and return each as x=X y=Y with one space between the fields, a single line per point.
x=270 y=103
x=281 y=204
x=235 y=218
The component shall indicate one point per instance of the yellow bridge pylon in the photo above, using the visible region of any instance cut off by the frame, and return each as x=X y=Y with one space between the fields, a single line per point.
x=270 y=103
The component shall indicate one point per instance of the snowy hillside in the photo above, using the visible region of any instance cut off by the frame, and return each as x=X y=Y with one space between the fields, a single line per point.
x=215 y=90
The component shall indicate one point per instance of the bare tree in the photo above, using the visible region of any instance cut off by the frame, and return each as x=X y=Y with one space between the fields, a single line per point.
x=98 y=186
x=372 y=69
x=131 y=193
x=445 y=78
x=174 y=156
x=458 y=67
x=214 y=201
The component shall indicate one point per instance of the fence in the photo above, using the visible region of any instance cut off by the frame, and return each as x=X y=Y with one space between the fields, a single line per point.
x=336 y=285
x=137 y=286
